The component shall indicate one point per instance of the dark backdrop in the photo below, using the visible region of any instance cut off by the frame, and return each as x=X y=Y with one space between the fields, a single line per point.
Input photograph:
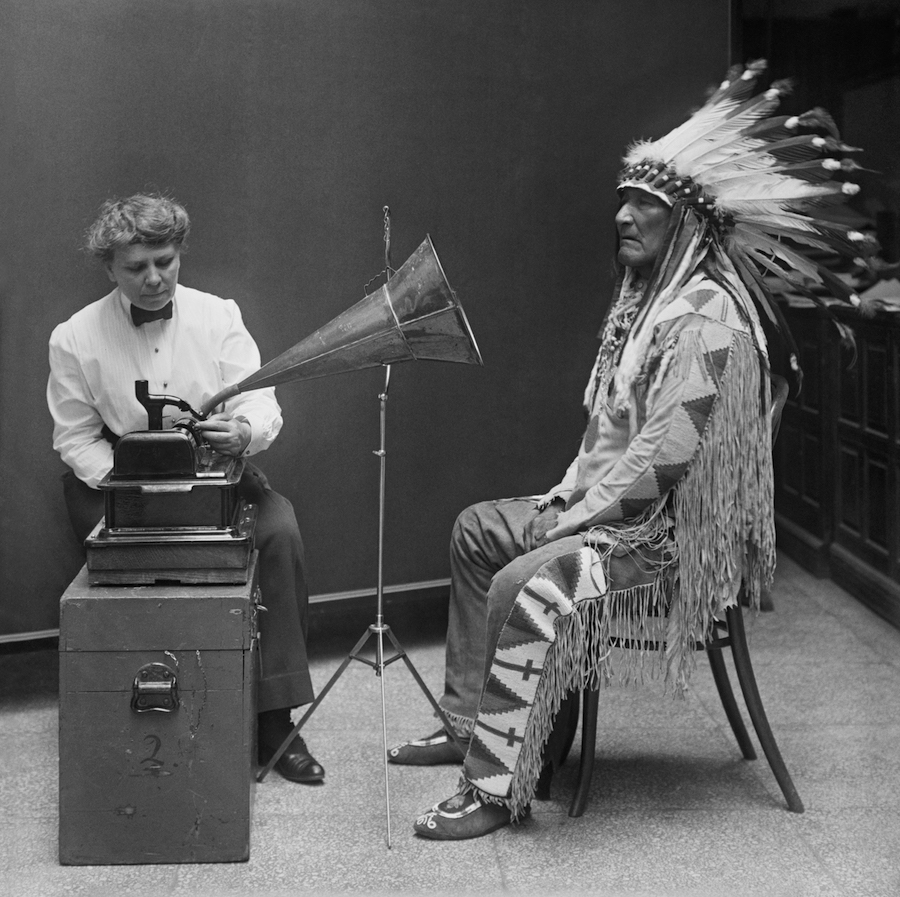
x=285 y=126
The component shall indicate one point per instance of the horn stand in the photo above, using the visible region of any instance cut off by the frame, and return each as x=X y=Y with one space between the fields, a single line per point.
x=379 y=629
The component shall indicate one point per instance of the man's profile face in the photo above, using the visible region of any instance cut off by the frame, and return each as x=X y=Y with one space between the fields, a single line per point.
x=641 y=222
x=146 y=275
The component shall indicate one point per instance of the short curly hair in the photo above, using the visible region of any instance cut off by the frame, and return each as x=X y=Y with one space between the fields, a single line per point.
x=149 y=219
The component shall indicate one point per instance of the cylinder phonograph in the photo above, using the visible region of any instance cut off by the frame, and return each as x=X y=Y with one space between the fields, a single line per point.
x=172 y=510
x=171 y=503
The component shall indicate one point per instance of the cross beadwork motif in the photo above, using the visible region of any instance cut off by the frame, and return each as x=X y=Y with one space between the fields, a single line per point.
x=550 y=606
x=528 y=669
x=509 y=735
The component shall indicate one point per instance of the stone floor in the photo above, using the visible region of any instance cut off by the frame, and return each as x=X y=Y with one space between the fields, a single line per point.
x=674 y=809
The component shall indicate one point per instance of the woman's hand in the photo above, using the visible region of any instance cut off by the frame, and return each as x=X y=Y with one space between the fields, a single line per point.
x=226 y=434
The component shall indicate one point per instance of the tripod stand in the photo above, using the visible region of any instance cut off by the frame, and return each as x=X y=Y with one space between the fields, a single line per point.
x=377 y=631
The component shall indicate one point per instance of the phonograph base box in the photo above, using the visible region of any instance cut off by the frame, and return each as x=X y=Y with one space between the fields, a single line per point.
x=200 y=554
x=157 y=722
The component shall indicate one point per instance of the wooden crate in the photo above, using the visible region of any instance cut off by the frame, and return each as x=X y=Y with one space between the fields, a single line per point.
x=166 y=785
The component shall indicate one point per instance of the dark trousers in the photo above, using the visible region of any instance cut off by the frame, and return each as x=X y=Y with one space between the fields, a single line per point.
x=284 y=669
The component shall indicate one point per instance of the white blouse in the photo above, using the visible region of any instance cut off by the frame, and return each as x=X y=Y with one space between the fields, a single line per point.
x=97 y=354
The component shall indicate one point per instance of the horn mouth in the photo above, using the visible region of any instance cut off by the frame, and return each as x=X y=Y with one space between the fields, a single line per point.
x=429 y=312
x=415 y=316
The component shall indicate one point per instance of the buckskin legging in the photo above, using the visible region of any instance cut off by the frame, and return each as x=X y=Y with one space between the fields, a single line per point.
x=486 y=538
x=491 y=571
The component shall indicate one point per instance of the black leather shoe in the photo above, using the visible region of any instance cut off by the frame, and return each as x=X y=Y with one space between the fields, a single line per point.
x=296 y=763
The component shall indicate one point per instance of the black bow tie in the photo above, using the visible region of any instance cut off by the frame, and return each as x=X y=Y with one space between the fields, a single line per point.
x=142 y=316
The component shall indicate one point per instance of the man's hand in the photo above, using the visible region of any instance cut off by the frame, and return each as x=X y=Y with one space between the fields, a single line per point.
x=536 y=531
x=226 y=434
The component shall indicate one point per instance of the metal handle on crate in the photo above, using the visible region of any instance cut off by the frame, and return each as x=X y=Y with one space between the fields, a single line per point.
x=155 y=687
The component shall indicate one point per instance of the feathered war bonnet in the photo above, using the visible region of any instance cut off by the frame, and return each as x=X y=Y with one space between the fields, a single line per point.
x=754 y=188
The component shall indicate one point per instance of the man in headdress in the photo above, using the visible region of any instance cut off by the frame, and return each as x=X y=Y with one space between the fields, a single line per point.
x=666 y=514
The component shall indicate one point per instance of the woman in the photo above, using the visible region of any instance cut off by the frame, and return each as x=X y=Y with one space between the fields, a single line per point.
x=190 y=344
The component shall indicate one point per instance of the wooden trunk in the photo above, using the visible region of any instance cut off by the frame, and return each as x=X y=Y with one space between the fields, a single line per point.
x=156 y=722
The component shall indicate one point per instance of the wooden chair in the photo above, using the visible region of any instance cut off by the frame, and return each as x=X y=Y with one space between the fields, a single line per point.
x=728 y=633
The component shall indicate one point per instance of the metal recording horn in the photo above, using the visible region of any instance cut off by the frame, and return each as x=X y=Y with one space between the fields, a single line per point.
x=414 y=316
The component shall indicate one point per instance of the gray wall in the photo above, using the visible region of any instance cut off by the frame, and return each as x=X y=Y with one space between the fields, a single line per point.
x=284 y=126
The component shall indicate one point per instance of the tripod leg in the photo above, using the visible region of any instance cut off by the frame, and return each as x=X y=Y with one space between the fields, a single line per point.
x=379 y=671
x=312 y=707
x=421 y=682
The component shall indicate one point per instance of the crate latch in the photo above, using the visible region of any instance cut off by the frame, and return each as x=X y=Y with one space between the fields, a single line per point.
x=155 y=688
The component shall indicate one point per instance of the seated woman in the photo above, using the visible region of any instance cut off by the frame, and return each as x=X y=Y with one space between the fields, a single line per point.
x=190 y=344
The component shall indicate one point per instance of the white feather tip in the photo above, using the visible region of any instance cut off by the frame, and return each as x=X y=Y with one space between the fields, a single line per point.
x=639 y=151
x=867 y=307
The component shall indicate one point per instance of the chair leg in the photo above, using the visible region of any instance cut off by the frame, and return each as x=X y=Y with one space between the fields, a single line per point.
x=744 y=668
x=558 y=745
x=573 y=702
x=591 y=701
x=542 y=789
x=726 y=694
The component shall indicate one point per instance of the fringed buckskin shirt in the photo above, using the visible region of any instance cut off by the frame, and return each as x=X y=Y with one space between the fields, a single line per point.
x=632 y=455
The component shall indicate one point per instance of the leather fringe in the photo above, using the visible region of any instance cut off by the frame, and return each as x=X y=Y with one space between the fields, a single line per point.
x=724 y=526
x=583 y=656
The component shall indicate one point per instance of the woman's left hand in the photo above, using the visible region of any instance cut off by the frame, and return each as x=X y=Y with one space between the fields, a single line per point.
x=226 y=434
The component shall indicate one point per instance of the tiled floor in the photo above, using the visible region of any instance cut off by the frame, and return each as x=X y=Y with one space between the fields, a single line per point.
x=675 y=810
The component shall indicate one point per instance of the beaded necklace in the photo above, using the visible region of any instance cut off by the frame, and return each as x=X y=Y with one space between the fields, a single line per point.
x=615 y=331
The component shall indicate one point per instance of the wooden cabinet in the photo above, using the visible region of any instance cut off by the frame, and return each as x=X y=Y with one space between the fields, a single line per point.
x=157 y=722
x=837 y=459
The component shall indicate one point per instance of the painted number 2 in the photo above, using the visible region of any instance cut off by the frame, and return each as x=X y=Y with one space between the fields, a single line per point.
x=150 y=764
